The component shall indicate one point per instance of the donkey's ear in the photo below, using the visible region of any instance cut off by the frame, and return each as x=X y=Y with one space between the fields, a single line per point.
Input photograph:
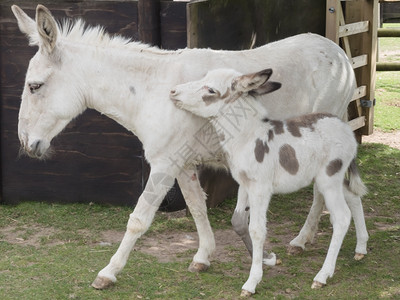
x=47 y=28
x=255 y=83
x=26 y=24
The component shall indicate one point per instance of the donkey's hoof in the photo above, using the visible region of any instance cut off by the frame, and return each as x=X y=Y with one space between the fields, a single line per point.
x=359 y=256
x=317 y=285
x=102 y=283
x=197 y=267
x=295 y=250
x=245 y=294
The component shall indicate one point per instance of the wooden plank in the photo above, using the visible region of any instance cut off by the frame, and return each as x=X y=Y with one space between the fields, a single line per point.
x=371 y=12
x=359 y=61
x=388 y=66
x=333 y=8
x=357 y=123
x=346 y=43
x=388 y=32
x=353 y=28
x=173 y=24
x=359 y=92
x=149 y=22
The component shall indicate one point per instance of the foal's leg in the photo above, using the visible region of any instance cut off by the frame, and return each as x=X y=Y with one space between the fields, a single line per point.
x=240 y=224
x=310 y=227
x=355 y=205
x=259 y=202
x=196 y=201
x=157 y=186
x=340 y=218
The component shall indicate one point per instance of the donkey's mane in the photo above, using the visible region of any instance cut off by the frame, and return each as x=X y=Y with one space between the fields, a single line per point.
x=78 y=31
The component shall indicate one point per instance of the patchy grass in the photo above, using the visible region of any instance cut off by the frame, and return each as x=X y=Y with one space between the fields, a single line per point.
x=62 y=263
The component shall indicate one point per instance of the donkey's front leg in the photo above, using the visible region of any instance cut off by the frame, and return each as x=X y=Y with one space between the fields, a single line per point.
x=149 y=201
x=196 y=201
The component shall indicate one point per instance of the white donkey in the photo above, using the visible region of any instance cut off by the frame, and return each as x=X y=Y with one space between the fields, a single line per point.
x=268 y=157
x=77 y=68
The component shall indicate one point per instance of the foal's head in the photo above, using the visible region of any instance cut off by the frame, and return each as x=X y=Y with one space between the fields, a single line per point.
x=209 y=95
x=49 y=99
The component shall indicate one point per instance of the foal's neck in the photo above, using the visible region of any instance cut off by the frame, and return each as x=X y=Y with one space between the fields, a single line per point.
x=238 y=121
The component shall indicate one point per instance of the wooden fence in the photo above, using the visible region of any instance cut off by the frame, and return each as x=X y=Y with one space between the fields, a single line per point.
x=96 y=159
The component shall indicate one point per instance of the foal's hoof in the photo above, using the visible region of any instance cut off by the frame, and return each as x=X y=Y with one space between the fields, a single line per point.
x=245 y=294
x=359 y=256
x=295 y=250
x=270 y=259
x=317 y=285
x=197 y=267
x=101 y=283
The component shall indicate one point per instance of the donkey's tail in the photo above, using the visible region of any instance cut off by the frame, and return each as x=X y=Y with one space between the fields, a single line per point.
x=355 y=183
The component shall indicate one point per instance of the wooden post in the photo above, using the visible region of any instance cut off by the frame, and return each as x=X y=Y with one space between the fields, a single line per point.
x=149 y=21
x=365 y=43
x=332 y=20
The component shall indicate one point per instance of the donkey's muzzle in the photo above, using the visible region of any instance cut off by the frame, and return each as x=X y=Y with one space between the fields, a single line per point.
x=37 y=149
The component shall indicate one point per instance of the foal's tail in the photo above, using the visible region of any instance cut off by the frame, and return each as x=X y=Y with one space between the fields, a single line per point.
x=355 y=183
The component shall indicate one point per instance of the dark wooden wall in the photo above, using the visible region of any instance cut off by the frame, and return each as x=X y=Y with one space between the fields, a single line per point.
x=390 y=12
x=95 y=159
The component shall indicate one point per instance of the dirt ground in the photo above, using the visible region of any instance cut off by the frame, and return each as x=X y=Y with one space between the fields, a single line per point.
x=391 y=139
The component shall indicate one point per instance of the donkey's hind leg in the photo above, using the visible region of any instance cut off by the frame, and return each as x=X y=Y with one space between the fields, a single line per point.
x=196 y=201
x=355 y=205
x=310 y=227
x=240 y=224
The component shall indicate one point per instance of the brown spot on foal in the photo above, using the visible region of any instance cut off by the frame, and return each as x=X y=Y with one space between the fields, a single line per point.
x=334 y=167
x=260 y=150
x=278 y=126
x=306 y=121
x=288 y=159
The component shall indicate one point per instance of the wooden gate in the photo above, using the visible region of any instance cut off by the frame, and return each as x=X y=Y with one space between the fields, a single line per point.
x=354 y=24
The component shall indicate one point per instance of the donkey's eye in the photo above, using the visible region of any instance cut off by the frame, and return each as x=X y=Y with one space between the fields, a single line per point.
x=211 y=91
x=34 y=87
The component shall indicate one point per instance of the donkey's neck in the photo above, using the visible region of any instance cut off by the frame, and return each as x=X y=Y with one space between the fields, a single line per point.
x=126 y=85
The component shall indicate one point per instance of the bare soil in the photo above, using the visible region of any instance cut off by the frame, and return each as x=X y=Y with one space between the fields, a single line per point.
x=392 y=139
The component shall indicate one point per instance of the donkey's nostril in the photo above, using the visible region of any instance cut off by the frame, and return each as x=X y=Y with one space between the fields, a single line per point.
x=35 y=146
x=173 y=92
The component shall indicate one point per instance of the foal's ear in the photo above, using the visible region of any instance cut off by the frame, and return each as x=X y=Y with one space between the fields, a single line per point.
x=26 y=24
x=47 y=28
x=256 y=83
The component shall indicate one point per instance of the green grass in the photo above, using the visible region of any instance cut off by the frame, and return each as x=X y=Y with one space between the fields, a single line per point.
x=64 y=270
x=387 y=110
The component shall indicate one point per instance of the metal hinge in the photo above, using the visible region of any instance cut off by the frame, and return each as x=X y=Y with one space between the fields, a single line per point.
x=368 y=103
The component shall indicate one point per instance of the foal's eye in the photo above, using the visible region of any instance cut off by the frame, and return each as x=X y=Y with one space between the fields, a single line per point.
x=34 y=87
